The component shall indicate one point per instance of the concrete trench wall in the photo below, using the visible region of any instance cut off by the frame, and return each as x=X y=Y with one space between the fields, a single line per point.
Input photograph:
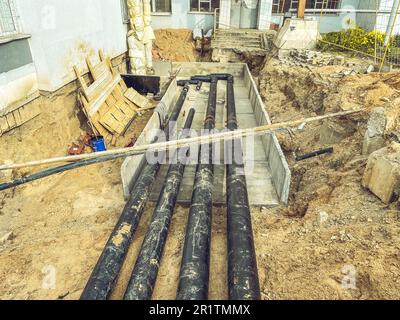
x=280 y=172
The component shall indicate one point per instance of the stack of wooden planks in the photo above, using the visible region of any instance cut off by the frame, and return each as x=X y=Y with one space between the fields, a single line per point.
x=16 y=117
x=107 y=102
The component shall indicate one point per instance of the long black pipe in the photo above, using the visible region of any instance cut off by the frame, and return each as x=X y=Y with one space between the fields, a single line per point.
x=105 y=273
x=314 y=154
x=82 y=163
x=194 y=273
x=243 y=279
x=145 y=272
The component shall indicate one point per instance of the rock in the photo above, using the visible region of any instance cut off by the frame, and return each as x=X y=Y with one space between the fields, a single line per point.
x=374 y=136
x=382 y=174
x=7 y=237
x=371 y=68
x=323 y=217
x=333 y=132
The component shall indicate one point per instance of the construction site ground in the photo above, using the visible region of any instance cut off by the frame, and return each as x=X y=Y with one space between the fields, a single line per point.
x=331 y=227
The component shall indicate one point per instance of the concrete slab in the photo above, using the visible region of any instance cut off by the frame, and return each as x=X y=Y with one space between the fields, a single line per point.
x=267 y=172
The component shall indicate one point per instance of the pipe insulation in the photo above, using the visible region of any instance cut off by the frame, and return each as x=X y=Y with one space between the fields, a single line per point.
x=243 y=279
x=105 y=273
x=194 y=272
x=145 y=272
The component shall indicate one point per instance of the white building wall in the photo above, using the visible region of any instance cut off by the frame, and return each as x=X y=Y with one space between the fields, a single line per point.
x=17 y=87
x=181 y=17
x=64 y=32
x=264 y=14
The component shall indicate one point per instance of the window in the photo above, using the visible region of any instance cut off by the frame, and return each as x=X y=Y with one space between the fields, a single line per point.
x=204 y=5
x=282 y=6
x=157 y=6
x=160 y=6
x=8 y=18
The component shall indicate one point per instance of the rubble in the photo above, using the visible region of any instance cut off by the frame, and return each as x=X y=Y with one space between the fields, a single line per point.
x=7 y=237
x=382 y=174
x=304 y=58
x=332 y=132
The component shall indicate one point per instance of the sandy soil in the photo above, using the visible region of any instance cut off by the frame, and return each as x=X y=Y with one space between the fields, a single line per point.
x=332 y=225
x=182 y=48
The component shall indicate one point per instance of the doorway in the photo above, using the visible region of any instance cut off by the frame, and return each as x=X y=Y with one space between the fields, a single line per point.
x=244 y=14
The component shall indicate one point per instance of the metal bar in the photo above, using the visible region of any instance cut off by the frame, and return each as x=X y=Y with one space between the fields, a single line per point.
x=105 y=273
x=195 y=266
x=243 y=279
x=145 y=272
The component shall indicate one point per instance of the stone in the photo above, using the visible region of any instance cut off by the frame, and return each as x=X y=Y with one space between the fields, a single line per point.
x=382 y=174
x=374 y=136
x=297 y=34
x=8 y=236
x=333 y=132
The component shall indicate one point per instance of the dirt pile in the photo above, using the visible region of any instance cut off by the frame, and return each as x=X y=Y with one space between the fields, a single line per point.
x=59 y=225
x=339 y=229
x=175 y=45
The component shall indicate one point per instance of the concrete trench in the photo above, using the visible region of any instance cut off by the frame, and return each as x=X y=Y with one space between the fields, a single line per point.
x=265 y=167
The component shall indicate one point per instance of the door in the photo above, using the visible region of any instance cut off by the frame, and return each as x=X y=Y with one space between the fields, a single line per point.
x=244 y=14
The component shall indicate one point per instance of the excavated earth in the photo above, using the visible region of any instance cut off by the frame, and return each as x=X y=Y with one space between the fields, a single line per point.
x=335 y=240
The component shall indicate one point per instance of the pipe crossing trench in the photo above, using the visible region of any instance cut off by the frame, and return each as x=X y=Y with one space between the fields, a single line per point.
x=194 y=275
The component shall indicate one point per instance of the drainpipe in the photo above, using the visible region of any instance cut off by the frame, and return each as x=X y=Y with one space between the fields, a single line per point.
x=145 y=272
x=105 y=273
x=195 y=266
x=243 y=279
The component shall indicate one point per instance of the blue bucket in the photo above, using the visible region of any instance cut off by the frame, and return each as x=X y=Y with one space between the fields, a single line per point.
x=98 y=144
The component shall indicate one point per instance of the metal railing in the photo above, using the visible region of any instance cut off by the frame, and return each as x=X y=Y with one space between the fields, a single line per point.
x=372 y=30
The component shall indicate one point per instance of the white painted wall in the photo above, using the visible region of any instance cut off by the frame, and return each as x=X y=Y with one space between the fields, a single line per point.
x=181 y=17
x=17 y=87
x=64 y=32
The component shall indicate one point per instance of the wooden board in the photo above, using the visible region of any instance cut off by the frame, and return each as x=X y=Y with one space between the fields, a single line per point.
x=109 y=112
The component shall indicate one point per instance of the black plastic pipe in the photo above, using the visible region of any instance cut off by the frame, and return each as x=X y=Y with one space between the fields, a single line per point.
x=145 y=272
x=314 y=154
x=243 y=279
x=83 y=163
x=208 y=78
x=182 y=83
x=194 y=273
x=57 y=170
x=105 y=273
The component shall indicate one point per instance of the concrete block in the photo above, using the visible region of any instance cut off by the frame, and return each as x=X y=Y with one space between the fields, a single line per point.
x=374 y=136
x=297 y=34
x=382 y=174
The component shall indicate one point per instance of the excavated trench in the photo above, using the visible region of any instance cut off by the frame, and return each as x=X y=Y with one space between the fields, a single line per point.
x=333 y=222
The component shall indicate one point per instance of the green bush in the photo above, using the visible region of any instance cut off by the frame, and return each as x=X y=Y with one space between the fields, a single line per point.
x=356 y=38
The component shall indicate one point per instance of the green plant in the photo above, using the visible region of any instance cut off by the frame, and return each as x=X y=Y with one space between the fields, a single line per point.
x=356 y=39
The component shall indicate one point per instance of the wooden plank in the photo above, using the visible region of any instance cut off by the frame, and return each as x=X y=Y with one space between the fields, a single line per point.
x=136 y=98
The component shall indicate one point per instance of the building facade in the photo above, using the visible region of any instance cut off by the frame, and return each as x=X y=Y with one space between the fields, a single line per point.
x=41 y=40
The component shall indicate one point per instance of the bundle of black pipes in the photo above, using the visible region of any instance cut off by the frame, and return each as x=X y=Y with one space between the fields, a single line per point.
x=145 y=272
x=103 y=278
x=195 y=265
x=243 y=282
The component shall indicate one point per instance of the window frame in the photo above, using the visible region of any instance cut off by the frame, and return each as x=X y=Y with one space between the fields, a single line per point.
x=15 y=20
x=125 y=12
x=211 y=10
x=290 y=8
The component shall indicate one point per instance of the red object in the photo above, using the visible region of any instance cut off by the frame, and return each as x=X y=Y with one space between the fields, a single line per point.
x=76 y=149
